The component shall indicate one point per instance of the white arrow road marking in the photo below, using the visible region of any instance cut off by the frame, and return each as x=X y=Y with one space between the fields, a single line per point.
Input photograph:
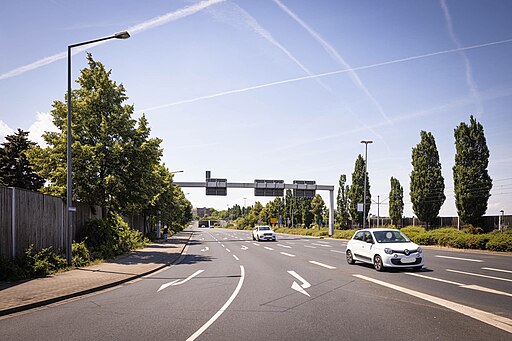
x=244 y=247
x=322 y=264
x=489 y=318
x=205 y=249
x=178 y=282
x=300 y=288
x=467 y=286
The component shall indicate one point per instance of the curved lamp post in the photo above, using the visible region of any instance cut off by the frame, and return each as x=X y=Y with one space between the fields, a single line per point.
x=69 y=204
x=365 y=170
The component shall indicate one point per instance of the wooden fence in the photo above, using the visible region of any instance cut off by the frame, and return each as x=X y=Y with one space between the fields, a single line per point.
x=28 y=218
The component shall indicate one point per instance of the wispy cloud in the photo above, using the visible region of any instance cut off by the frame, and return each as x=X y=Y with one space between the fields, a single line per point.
x=325 y=74
x=4 y=131
x=469 y=72
x=336 y=56
x=135 y=29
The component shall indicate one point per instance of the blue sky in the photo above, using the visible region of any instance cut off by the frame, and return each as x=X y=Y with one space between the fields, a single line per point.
x=279 y=89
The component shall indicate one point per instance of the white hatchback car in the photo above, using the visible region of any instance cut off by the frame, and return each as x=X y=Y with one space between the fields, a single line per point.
x=384 y=248
x=263 y=233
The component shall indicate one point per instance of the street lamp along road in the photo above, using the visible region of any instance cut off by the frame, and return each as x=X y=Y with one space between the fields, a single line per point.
x=365 y=170
x=69 y=204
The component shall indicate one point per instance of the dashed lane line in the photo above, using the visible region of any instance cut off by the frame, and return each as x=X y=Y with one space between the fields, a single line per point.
x=311 y=247
x=499 y=270
x=236 y=257
x=459 y=258
x=287 y=254
x=337 y=251
x=286 y=246
x=323 y=265
x=479 y=275
x=486 y=317
x=466 y=286
x=268 y=248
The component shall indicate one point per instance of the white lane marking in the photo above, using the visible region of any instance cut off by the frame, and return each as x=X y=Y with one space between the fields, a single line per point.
x=311 y=247
x=205 y=249
x=489 y=318
x=292 y=243
x=337 y=251
x=222 y=245
x=466 y=286
x=300 y=288
x=320 y=245
x=178 y=282
x=256 y=244
x=236 y=257
x=222 y=309
x=500 y=270
x=287 y=254
x=244 y=247
x=247 y=241
x=479 y=275
x=458 y=258
x=321 y=241
x=322 y=264
x=286 y=246
x=228 y=250
x=268 y=248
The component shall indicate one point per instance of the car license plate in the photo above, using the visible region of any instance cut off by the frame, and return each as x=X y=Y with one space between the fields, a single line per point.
x=408 y=260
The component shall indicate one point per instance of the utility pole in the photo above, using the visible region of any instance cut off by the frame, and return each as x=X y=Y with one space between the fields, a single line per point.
x=365 y=171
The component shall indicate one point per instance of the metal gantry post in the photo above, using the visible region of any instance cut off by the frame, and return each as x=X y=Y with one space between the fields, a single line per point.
x=331 y=213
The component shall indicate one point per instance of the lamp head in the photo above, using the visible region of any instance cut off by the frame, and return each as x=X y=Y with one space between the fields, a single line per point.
x=122 y=35
x=366 y=142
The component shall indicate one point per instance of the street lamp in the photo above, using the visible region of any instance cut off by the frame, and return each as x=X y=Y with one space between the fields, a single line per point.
x=501 y=220
x=174 y=172
x=120 y=35
x=365 y=170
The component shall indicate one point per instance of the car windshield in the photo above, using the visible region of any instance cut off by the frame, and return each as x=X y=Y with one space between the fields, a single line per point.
x=264 y=228
x=392 y=236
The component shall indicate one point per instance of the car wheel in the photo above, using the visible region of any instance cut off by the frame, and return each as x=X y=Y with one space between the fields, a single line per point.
x=377 y=263
x=350 y=258
x=253 y=237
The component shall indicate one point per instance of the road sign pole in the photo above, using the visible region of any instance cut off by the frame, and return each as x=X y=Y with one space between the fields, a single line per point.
x=331 y=213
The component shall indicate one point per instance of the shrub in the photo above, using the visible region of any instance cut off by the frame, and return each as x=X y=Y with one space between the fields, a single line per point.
x=44 y=262
x=81 y=254
x=500 y=242
x=10 y=270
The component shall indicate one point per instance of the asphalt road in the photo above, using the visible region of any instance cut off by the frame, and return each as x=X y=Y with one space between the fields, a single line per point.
x=228 y=287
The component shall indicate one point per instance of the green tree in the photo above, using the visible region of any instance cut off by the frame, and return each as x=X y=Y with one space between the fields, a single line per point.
x=15 y=168
x=113 y=157
x=470 y=176
x=305 y=209
x=318 y=208
x=355 y=194
x=396 y=202
x=427 y=182
x=342 y=202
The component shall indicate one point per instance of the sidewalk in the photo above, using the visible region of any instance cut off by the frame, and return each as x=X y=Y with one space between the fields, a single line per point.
x=23 y=295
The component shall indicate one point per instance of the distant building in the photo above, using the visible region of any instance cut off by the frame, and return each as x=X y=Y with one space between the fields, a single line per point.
x=201 y=212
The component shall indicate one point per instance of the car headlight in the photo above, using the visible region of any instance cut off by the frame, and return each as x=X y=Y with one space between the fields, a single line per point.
x=420 y=250
x=388 y=251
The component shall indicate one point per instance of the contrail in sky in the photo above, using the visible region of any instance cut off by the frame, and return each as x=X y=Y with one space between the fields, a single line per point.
x=336 y=56
x=146 y=25
x=469 y=73
x=258 y=29
x=325 y=74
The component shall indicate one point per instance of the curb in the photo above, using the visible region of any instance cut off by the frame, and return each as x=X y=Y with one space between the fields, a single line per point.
x=175 y=258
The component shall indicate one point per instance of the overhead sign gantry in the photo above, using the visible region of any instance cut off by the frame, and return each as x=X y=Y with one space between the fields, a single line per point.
x=273 y=188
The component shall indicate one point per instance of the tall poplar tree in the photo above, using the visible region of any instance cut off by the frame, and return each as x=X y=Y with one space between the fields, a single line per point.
x=113 y=157
x=427 y=182
x=15 y=167
x=396 y=201
x=342 y=203
x=356 y=191
x=317 y=208
x=470 y=176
